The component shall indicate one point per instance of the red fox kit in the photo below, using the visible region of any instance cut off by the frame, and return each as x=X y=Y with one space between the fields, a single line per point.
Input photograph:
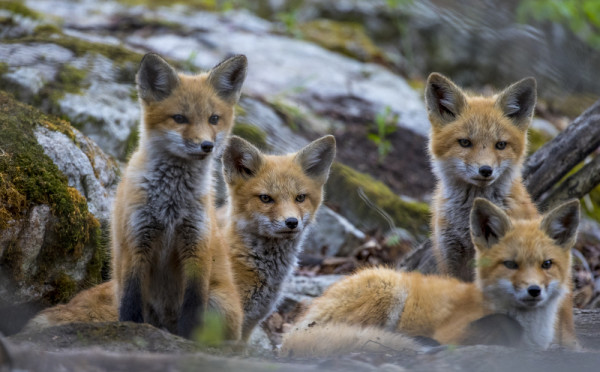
x=274 y=200
x=477 y=146
x=167 y=251
x=523 y=270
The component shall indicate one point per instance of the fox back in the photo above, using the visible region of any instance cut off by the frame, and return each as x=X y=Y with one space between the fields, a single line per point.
x=477 y=146
x=273 y=201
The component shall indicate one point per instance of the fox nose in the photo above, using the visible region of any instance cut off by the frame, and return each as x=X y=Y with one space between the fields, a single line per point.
x=486 y=170
x=534 y=291
x=291 y=222
x=207 y=146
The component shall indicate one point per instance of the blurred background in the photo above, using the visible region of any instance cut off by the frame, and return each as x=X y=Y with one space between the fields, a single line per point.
x=354 y=68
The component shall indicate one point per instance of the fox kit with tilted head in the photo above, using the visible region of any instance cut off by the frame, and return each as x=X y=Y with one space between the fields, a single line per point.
x=168 y=254
x=477 y=145
x=274 y=199
x=522 y=271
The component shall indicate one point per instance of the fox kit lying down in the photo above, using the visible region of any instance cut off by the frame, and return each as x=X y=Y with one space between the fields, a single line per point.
x=523 y=270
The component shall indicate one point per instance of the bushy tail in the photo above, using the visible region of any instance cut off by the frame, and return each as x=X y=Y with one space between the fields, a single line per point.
x=338 y=339
x=96 y=304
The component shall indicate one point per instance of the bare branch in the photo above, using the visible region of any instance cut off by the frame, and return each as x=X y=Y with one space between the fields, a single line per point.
x=549 y=164
x=574 y=187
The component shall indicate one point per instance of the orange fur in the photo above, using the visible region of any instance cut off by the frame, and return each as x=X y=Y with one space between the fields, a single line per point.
x=443 y=308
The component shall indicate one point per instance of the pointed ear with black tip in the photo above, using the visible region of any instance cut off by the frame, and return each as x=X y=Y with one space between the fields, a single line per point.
x=316 y=158
x=445 y=101
x=228 y=76
x=561 y=224
x=155 y=78
x=518 y=102
x=489 y=223
x=241 y=160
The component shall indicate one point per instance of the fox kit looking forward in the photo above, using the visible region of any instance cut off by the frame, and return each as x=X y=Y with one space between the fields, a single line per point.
x=274 y=199
x=523 y=271
x=167 y=251
x=477 y=145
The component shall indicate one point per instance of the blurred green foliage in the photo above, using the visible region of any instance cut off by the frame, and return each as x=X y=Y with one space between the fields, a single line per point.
x=385 y=124
x=581 y=16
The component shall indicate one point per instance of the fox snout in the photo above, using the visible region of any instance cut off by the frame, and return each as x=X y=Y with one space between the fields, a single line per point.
x=486 y=171
x=291 y=222
x=207 y=146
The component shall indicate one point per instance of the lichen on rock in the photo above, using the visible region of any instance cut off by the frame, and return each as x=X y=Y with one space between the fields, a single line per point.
x=48 y=237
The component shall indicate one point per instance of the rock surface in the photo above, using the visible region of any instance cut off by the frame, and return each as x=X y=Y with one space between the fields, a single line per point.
x=50 y=237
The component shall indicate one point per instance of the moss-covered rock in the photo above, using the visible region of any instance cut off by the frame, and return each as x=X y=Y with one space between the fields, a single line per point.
x=342 y=193
x=347 y=38
x=49 y=241
x=252 y=134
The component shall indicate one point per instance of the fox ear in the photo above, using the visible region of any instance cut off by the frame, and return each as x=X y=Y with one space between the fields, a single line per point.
x=561 y=223
x=155 y=78
x=240 y=159
x=518 y=102
x=445 y=101
x=316 y=158
x=488 y=223
x=228 y=76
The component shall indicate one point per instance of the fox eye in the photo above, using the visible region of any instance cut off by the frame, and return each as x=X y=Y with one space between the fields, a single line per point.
x=511 y=265
x=180 y=119
x=547 y=264
x=463 y=142
x=501 y=145
x=265 y=198
x=300 y=198
x=213 y=119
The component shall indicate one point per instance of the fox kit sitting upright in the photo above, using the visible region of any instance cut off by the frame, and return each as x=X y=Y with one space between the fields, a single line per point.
x=477 y=145
x=273 y=200
x=523 y=270
x=167 y=252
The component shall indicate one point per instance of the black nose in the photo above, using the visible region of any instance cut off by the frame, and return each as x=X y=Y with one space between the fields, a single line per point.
x=207 y=146
x=291 y=222
x=486 y=170
x=534 y=291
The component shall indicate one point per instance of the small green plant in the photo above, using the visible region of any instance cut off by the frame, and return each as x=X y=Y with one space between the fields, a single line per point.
x=385 y=124
x=212 y=333
x=290 y=22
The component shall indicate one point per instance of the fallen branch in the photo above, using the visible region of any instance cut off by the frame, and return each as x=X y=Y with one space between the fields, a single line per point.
x=574 y=187
x=553 y=161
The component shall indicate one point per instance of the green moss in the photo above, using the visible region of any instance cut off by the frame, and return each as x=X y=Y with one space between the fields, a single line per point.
x=17 y=7
x=537 y=139
x=342 y=191
x=47 y=29
x=132 y=142
x=252 y=134
x=69 y=79
x=28 y=177
x=64 y=287
x=347 y=38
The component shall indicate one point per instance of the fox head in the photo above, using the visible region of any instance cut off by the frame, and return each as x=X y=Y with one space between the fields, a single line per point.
x=478 y=140
x=523 y=264
x=188 y=116
x=276 y=196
